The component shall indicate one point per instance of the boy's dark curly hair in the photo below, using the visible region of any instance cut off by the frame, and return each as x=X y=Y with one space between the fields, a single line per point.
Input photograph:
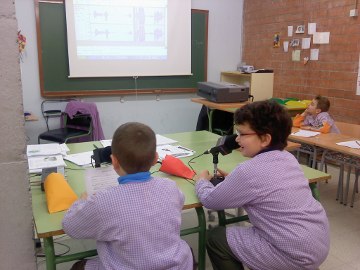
x=266 y=117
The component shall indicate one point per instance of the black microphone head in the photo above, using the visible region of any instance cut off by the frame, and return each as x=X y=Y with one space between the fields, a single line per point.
x=105 y=155
x=224 y=145
x=102 y=155
x=230 y=143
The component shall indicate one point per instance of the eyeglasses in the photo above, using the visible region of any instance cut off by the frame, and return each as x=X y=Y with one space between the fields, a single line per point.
x=244 y=134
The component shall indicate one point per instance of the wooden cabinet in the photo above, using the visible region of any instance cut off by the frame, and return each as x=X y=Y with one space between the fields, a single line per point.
x=261 y=84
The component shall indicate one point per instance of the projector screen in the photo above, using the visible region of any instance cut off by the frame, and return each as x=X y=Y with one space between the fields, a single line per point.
x=128 y=38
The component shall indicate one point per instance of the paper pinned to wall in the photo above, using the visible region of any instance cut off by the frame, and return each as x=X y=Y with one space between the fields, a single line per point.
x=314 y=54
x=311 y=28
x=296 y=55
x=286 y=46
x=321 y=38
x=305 y=43
x=358 y=80
x=290 y=30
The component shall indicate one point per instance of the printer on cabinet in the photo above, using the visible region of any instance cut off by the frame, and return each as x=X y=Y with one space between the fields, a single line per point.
x=223 y=92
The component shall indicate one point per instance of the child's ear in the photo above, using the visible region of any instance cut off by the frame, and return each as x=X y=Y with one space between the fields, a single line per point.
x=266 y=140
x=115 y=162
x=155 y=158
x=317 y=111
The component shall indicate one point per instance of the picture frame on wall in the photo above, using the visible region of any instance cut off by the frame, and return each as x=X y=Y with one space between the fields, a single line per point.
x=295 y=42
x=300 y=29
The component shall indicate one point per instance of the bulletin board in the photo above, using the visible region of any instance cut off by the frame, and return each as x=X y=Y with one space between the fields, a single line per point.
x=54 y=69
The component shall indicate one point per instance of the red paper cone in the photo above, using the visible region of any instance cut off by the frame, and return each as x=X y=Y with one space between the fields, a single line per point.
x=175 y=166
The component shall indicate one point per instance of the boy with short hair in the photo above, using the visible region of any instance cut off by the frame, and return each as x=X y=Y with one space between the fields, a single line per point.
x=137 y=223
x=289 y=228
x=316 y=117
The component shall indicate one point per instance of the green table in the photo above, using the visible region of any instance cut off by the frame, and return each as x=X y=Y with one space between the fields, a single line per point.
x=49 y=225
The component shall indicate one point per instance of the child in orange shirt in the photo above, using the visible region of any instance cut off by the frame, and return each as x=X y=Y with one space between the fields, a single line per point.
x=316 y=117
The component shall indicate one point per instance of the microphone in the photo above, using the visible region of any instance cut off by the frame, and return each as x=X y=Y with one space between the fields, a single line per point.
x=224 y=145
x=102 y=155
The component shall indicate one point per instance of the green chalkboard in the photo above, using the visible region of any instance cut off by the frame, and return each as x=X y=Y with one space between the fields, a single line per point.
x=54 y=70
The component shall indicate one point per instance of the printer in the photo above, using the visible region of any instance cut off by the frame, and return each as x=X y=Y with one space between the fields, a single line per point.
x=223 y=92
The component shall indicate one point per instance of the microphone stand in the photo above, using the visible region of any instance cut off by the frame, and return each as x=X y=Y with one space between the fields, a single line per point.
x=216 y=179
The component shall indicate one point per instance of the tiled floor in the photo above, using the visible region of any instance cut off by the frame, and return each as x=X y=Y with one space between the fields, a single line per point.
x=344 y=225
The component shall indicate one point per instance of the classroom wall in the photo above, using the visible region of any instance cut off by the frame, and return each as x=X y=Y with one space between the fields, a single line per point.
x=16 y=244
x=334 y=75
x=164 y=113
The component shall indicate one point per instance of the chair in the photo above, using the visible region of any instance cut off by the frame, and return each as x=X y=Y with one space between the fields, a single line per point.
x=77 y=127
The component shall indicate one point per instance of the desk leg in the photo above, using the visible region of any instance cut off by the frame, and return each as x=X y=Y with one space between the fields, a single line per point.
x=315 y=191
x=49 y=253
x=210 y=117
x=314 y=158
x=202 y=237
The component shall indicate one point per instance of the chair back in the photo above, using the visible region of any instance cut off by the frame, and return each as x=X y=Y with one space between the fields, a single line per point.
x=79 y=121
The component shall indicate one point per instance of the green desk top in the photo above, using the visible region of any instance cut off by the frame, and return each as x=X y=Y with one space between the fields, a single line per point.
x=50 y=224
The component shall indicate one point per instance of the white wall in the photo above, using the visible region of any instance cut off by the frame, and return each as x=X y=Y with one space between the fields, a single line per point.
x=172 y=113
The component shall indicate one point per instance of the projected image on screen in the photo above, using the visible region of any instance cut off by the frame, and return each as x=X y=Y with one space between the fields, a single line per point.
x=121 y=31
x=128 y=37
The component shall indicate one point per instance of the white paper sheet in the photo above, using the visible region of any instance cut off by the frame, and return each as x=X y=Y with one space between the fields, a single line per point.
x=311 y=28
x=351 y=144
x=305 y=133
x=314 y=54
x=286 y=46
x=321 y=38
x=160 y=140
x=97 y=179
x=305 y=43
x=105 y=143
x=173 y=150
x=290 y=30
x=295 y=55
x=80 y=159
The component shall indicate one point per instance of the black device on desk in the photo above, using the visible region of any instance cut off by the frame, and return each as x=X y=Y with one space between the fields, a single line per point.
x=101 y=155
x=223 y=92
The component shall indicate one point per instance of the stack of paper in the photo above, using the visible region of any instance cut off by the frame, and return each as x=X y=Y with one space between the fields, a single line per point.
x=173 y=150
x=46 y=149
x=305 y=133
x=352 y=144
x=37 y=163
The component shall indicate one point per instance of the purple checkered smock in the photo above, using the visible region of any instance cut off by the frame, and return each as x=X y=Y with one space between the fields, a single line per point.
x=318 y=120
x=290 y=228
x=136 y=226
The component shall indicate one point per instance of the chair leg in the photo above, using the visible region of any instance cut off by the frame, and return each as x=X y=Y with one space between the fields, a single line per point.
x=356 y=186
x=347 y=185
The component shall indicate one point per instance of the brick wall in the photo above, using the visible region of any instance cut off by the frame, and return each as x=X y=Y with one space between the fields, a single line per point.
x=334 y=75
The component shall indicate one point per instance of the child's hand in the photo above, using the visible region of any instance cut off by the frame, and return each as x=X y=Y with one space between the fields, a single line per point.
x=221 y=172
x=83 y=196
x=306 y=112
x=203 y=175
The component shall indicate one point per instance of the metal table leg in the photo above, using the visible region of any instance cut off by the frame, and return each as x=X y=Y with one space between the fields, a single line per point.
x=49 y=253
